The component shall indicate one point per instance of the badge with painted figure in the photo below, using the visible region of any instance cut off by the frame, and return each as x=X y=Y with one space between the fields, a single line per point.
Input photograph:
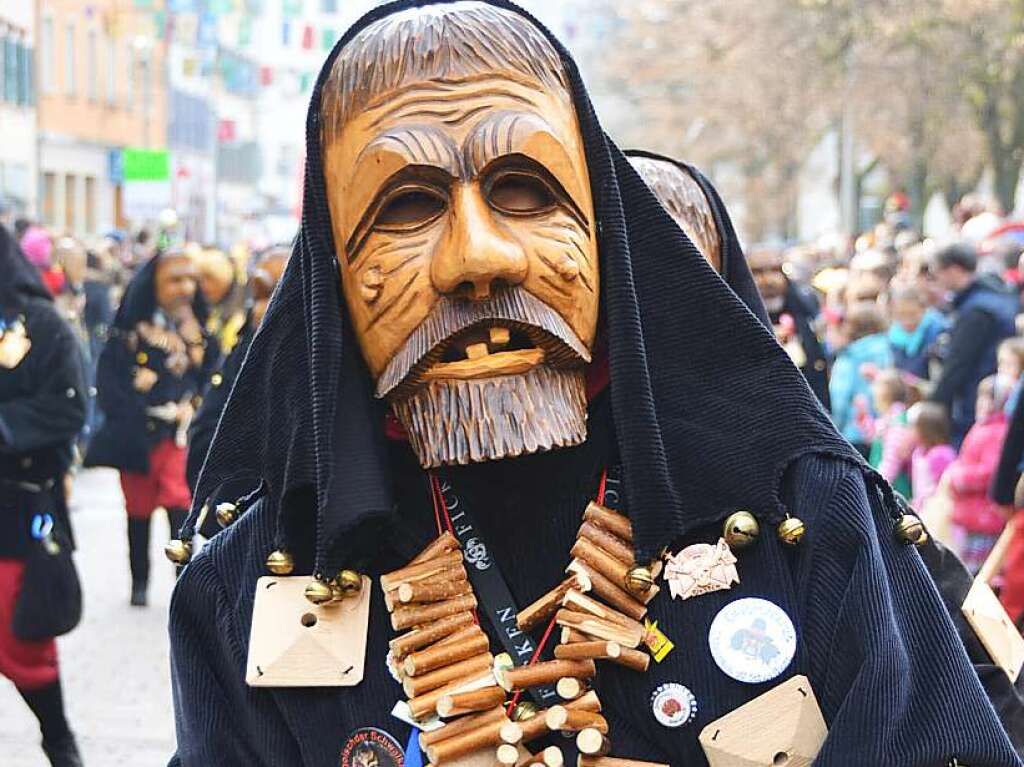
x=701 y=569
x=752 y=640
x=673 y=705
x=371 y=747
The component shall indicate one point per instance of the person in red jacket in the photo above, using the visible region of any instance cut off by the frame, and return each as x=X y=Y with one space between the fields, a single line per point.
x=977 y=520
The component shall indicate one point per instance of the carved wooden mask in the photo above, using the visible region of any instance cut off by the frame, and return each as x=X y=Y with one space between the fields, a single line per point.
x=464 y=226
x=684 y=200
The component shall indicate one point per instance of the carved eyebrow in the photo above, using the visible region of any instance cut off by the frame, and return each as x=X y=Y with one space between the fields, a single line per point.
x=503 y=133
x=418 y=145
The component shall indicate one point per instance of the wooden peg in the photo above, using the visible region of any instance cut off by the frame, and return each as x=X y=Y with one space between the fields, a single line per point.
x=600 y=560
x=586 y=702
x=522 y=677
x=595 y=650
x=637 y=660
x=422 y=570
x=439 y=546
x=610 y=520
x=471 y=667
x=542 y=609
x=430 y=633
x=461 y=725
x=507 y=755
x=571 y=636
x=573 y=720
x=457 y=704
x=418 y=615
x=569 y=687
x=512 y=733
x=422 y=591
x=425 y=705
x=450 y=749
x=445 y=654
x=599 y=628
x=614 y=595
x=610 y=542
x=593 y=742
x=574 y=600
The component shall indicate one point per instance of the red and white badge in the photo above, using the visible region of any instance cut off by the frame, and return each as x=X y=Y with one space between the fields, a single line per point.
x=673 y=705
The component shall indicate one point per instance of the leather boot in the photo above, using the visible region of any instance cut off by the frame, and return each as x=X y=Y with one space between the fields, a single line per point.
x=138 y=559
x=47 y=703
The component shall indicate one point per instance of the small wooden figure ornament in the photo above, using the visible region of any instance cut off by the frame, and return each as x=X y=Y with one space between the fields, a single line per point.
x=784 y=726
x=701 y=569
x=296 y=644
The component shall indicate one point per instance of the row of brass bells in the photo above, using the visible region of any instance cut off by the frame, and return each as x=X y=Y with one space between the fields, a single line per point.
x=227 y=513
x=910 y=530
x=280 y=562
x=347 y=584
x=178 y=551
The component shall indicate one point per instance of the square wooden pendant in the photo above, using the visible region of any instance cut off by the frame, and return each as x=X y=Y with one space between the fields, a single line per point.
x=296 y=644
x=994 y=628
x=781 y=728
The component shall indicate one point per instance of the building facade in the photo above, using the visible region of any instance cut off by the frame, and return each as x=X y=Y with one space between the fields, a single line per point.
x=101 y=88
x=17 y=111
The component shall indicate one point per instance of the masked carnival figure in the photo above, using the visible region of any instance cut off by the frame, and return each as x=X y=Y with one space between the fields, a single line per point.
x=156 y=361
x=523 y=465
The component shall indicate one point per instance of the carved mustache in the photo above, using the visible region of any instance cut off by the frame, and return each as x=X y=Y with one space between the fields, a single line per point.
x=514 y=306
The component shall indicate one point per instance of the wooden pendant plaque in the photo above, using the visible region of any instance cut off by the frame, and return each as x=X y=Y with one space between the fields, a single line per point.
x=296 y=644
x=782 y=727
x=994 y=628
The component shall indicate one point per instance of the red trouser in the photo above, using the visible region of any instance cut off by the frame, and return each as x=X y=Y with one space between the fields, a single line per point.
x=1012 y=592
x=164 y=484
x=30 y=665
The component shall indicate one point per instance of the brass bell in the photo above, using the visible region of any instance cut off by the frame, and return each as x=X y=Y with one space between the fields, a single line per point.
x=791 y=531
x=226 y=513
x=350 y=582
x=280 y=562
x=910 y=530
x=524 y=710
x=318 y=592
x=741 y=530
x=639 y=580
x=178 y=551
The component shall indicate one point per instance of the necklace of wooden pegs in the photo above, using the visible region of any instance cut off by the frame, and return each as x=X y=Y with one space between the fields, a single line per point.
x=448 y=672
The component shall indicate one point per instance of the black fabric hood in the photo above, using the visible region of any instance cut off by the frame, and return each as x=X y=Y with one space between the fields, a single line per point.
x=20 y=281
x=301 y=413
x=139 y=300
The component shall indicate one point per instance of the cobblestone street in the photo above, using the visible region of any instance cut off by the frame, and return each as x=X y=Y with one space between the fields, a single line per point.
x=114 y=665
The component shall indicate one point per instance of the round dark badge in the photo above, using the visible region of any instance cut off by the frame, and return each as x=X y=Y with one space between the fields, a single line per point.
x=370 y=747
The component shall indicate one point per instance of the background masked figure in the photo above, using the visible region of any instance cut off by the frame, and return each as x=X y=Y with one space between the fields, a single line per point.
x=266 y=274
x=157 y=359
x=42 y=409
x=514 y=295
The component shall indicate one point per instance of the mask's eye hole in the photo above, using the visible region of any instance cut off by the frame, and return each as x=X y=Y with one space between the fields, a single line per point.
x=520 y=194
x=409 y=209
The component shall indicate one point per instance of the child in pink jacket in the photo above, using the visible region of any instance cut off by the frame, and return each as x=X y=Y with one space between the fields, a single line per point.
x=976 y=520
x=932 y=452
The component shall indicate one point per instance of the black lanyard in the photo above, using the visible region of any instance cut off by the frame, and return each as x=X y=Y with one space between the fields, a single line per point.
x=494 y=597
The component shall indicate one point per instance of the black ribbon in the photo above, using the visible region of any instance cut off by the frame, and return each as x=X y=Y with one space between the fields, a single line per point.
x=492 y=591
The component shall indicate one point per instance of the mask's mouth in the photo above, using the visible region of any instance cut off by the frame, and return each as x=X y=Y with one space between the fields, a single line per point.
x=509 y=334
x=491 y=349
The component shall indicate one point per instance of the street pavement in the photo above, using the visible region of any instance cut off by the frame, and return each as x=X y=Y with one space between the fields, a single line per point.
x=114 y=665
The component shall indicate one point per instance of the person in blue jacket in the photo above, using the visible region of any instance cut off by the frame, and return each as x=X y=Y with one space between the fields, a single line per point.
x=866 y=348
x=983 y=312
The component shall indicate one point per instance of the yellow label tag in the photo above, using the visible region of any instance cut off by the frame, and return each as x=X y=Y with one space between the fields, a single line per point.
x=656 y=641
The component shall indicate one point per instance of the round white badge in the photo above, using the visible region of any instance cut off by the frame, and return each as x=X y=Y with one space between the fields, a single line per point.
x=673 y=705
x=752 y=640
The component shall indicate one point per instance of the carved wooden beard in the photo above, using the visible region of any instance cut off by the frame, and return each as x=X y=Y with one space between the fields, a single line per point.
x=461 y=209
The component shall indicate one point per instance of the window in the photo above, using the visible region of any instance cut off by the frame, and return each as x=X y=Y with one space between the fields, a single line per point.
x=70 y=202
x=90 y=204
x=92 y=66
x=111 y=71
x=50 y=199
x=46 y=56
x=69 y=59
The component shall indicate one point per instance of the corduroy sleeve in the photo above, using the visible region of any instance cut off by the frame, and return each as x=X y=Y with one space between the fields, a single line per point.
x=894 y=681
x=214 y=711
